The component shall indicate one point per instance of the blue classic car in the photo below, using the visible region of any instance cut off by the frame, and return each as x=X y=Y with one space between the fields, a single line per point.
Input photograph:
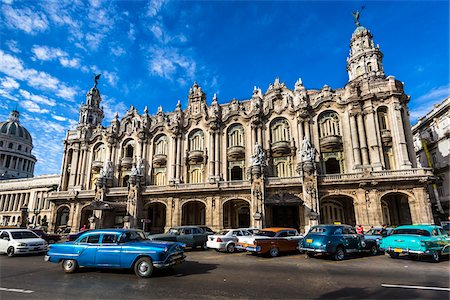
x=428 y=240
x=116 y=248
x=336 y=240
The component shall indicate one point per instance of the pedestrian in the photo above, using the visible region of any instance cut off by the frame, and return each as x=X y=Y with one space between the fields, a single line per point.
x=83 y=228
x=383 y=230
x=359 y=229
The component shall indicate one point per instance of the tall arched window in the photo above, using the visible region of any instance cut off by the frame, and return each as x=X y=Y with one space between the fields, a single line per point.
x=196 y=140
x=236 y=135
x=369 y=67
x=280 y=130
x=99 y=152
x=161 y=145
x=128 y=149
x=329 y=124
x=383 y=118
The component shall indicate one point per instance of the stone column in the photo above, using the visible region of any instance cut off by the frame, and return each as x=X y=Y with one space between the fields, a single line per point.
x=178 y=162
x=2 y=202
x=217 y=155
x=372 y=140
x=307 y=130
x=362 y=140
x=173 y=159
x=253 y=136
x=211 y=152
x=73 y=168
x=355 y=142
x=402 y=152
x=300 y=131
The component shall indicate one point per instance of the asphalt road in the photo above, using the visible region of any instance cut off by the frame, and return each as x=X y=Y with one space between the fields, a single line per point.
x=208 y=274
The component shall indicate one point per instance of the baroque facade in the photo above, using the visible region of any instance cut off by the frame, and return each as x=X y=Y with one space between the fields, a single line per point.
x=432 y=146
x=285 y=157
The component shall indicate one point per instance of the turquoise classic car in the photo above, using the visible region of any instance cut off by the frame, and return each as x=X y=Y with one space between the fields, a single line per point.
x=427 y=240
x=116 y=248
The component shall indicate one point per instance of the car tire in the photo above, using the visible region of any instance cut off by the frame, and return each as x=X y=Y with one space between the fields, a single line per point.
x=435 y=257
x=373 y=250
x=231 y=248
x=339 y=254
x=310 y=254
x=69 y=265
x=273 y=252
x=10 y=252
x=143 y=267
x=393 y=255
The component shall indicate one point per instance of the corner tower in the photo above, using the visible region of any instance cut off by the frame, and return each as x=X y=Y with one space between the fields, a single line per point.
x=366 y=59
x=91 y=114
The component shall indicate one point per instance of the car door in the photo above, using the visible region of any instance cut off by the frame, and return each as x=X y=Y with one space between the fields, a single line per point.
x=199 y=236
x=292 y=240
x=445 y=241
x=4 y=241
x=351 y=238
x=86 y=249
x=109 y=251
x=186 y=237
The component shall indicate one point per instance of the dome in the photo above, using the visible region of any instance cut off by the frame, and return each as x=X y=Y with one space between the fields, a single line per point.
x=13 y=129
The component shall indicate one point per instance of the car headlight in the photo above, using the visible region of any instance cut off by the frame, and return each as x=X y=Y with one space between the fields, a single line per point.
x=22 y=244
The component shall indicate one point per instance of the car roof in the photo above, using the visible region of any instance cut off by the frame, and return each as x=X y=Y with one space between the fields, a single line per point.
x=278 y=229
x=109 y=231
x=15 y=229
x=186 y=226
x=418 y=226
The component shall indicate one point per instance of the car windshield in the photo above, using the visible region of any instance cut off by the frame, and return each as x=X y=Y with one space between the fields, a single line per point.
x=133 y=236
x=266 y=233
x=413 y=231
x=17 y=235
x=173 y=231
x=318 y=229
x=223 y=232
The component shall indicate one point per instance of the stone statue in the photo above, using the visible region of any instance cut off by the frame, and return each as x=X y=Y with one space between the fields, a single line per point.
x=258 y=157
x=356 y=15
x=96 y=78
x=308 y=152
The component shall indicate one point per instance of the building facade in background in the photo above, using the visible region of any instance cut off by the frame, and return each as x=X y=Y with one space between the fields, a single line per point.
x=432 y=146
x=16 y=160
x=283 y=157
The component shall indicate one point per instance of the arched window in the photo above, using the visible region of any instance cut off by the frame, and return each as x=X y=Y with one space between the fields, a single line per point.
x=329 y=124
x=196 y=140
x=282 y=167
x=159 y=177
x=161 y=145
x=128 y=149
x=383 y=118
x=236 y=135
x=99 y=152
x=359 y=71
x=10 y=146
x=280 y=130
x=369 y=67
x=195 y=175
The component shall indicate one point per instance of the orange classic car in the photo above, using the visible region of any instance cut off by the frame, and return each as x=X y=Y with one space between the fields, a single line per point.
x=270 y=241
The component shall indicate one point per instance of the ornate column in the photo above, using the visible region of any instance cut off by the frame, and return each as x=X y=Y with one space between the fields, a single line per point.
x=257 y=177
x=307 y=130
x=134 y=201
x=212 y=160
x=300 y=130
x=372 y=139
x=173 y=159
x=178 y=162
x=217 y=155
x=401 y=139
x=73 y=167
x=355 y=142
x=362 y=140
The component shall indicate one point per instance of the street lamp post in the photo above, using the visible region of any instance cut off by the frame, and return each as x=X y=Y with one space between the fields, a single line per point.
x=37 y=211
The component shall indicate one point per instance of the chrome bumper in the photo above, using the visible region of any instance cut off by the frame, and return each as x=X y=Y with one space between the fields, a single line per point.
x=172 y=260
x=312 y=250
x=405 y=251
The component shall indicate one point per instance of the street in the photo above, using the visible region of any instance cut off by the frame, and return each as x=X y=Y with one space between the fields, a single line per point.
x=208 y=274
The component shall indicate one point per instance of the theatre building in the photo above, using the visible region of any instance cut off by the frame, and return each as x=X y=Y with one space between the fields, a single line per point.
x=289 y=156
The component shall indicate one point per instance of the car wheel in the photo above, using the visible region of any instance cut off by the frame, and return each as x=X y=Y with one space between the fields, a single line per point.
x=69 y=265
x=273 y=252
x=10 y=252
x=310 y=254
x=393 y=255
x=230 y=248
x=435 y=256
x=373 y=250
x=339 y=254
x=143 y=267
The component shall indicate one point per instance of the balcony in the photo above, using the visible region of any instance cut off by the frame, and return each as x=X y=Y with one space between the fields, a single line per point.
x=235 y=153
x=195 y=157
x=386 y=137
x=97 y=165
x=159 y=160
x=331 y=143
x=281 y=148
x=376 y=176
x=127 y=162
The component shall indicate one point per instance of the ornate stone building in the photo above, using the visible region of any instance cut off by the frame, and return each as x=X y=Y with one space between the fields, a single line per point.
x=16 y=160
x=283 y=157
x=432 y=146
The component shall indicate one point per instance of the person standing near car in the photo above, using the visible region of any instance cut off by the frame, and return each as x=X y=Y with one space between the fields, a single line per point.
x=83 y=228
x=359 y=229
x=383 y=230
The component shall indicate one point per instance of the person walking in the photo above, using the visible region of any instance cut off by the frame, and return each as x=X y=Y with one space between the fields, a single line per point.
x=359 y=229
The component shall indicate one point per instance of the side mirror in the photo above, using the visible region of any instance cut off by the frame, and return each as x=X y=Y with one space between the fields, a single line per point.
x=6 y=238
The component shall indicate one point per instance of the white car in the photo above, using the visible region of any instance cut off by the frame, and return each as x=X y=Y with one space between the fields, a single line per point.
x=227 y=238
x=21 y=241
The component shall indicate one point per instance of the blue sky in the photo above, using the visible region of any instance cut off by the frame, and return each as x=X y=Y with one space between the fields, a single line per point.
x=150 y=52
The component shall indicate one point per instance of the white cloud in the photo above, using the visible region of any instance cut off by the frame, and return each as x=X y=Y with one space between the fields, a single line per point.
x=118 y=51
x=111 y=77
x=47 y=54
x=25 y=19
x=70 y=63
x=14 y=68
x=9 y=83
x=13 y=46
x=154 y=7
x=425 y=103
x=111 y=107
x=37 y=98
x=32 y=107
x=167 y=61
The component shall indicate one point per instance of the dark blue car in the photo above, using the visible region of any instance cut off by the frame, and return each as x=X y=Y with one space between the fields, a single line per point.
x=116 y=248
x=337 y=241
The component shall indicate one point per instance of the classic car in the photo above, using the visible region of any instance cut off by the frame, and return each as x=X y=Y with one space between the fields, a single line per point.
x=376 y=233
x=48 y=237
x=206 y=229
x=191 y=236
x=226 y=239
x=270 y=241
x=337 y=241
x=116 y=248
x=21 y=241
x=73 y=236
x=427 y=240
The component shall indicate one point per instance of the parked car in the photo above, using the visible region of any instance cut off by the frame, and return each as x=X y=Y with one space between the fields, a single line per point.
x=73 y=236
x=270 y=241
x=375 y=233
x=48 y=237
x=337 y=241
x=191 y=236
x=427 y=240
x=226 y=239
x=116 y=248
x=21 y=241
x=206 y=229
